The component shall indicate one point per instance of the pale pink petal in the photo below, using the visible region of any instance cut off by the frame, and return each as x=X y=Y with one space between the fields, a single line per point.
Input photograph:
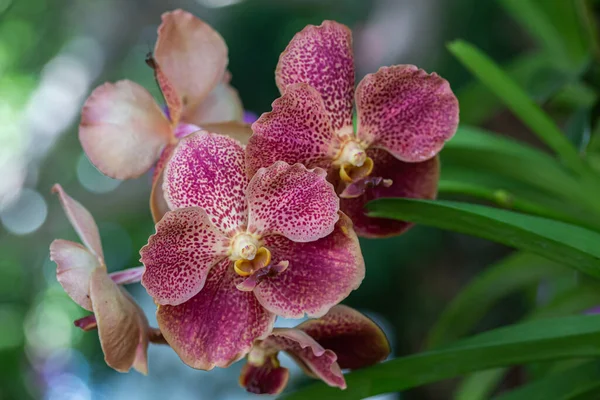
x=158 y=203
x=320 y=274
x=356 y=340
x=192 y=55
x=120 y=325
x=322 y=57
x=180 y=254
x=221 y=105
x=82 y=221
x=292 y=201
x=74 y=266
x=208 y=171
x=123 y=130
x=412 y=180
x=173 y=102
x=298 y=130
x=322 y=363
x=217 y=326
x=140 y=362
x=266 y=378
x=406 y=111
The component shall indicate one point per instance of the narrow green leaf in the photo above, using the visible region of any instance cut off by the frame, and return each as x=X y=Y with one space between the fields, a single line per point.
x=563 y=243
x=479 y=385
x=545 y=339
x=566 y=385
x=478 y=151
x=518 y=102
x=509 y=200
x=537 y=23
x=511 y=274
x=536 y=73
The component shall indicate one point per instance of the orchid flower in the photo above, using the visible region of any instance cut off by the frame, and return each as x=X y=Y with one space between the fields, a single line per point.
x=341 y=339
x=122 y=326
x=124 y=131
x=404 y=117
x=235 y=252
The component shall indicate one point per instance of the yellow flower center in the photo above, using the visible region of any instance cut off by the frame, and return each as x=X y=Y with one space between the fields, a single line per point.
x=353 y=162
x=247 y=254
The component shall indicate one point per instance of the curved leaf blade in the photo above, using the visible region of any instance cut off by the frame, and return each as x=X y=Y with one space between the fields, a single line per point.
x=546 y=339
x=513 y=273
x=560 y=242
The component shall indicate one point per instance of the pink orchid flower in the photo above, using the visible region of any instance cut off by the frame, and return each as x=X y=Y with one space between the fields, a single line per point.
x=124 y=131
x=404 y=117
x=341 y=339
x=122 y=326
x=235 y=252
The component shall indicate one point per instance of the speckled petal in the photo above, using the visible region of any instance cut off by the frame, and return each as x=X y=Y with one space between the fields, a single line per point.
x=292 y=201
x=297 y=130
x=406 y=111
x=322 y=57
x=180 y=254
x=267 y=378
x=221 y=105
x=217 y=326
x=322 y=363
x=320 y=274
x=413 y=180
x=120 y=325
x=82 y=221
x=192 y=55
x=123 y=130
x=207 y=170
x=74 y=266
x=356 y=340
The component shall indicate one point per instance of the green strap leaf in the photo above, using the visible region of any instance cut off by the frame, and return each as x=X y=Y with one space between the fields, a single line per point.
x=541 y=340
x=480 y=385
x=583 y=380
x=535 y=72
x=513 y=273
x=515 y=98
x=563 y=243
x=479 y=152
x=510 y=200
x=539 y=26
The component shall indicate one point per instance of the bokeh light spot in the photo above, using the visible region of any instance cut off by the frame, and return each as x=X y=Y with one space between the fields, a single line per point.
x=26 y=214
x=91 y=179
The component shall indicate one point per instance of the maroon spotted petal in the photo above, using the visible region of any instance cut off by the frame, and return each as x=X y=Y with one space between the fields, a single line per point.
x=322 y=57
x=406 y=111
x=268 y=378
x=297 y=130
x=292 y=201
x=318 y=361
x=207 y=170
x=356 y=340
x=320 y=273
x=217 y=326
x=180 y=254
x=412 y=180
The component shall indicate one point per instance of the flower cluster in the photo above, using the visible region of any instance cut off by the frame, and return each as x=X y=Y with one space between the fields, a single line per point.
x=253 y=223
